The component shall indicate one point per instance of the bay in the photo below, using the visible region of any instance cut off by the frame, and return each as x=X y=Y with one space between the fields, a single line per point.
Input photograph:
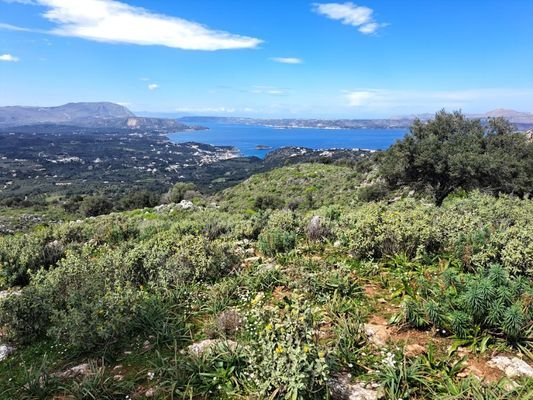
x=247 y=137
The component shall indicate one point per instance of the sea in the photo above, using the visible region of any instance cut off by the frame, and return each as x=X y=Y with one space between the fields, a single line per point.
x=246 y=138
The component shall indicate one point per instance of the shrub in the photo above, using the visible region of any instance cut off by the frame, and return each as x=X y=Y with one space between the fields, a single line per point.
x=268 y=202
x=21 y=254
x=95 y=205
x=275 y=241
x=285 y=358
x=488 y=302
x=177 y=192
x=26 y=316
x=279 y=236
x=163 y=262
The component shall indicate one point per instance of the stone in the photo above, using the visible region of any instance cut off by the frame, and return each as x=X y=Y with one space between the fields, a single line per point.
x=147 y=345
x=200 y=348
x=377 y=334
x=342 y=388
x=513 y=367
x=6 y=293
x=414 y=350
x=5 y=351
x=186 y=205
x=315 y=229
x=78 y=370
x=150 y=393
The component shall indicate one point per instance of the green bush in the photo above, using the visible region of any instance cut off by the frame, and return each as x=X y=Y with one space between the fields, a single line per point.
x=489 y=302
x=20 y=254
x=280 y=234
x=284 y=357
x=477 y=230
x=26 y=316
x=95 y=205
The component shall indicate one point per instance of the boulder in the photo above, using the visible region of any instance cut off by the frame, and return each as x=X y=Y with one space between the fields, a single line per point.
x=186 y=205
x=513 y=367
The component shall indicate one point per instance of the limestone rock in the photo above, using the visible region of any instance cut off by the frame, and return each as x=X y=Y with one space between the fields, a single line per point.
x=6 y=293
x=343 y=389
x=186 y=205
x=377 y=334
x=78 y=370
x=5 y=351
x=199 y=348
x=513 y=367
x=414 y=350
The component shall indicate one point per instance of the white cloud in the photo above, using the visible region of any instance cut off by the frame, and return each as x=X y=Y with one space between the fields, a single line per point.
x=370 y=28
x=273 y=91
x=153 y=86
x=350 y=14
x=228 y=110
x=20 y=1
x=116 y=22
x=9 y=58
x=287 y=60
x=360 y=98
x=9 y=27
x=376 y=99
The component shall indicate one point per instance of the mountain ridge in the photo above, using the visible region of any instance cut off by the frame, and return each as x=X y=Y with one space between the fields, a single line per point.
x=84 y=114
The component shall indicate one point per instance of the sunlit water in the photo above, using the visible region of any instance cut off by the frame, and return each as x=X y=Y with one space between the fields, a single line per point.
x=247 y=137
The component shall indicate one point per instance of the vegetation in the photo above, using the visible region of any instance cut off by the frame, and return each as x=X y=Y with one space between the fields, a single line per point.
x=284 y=278
x=452 y=152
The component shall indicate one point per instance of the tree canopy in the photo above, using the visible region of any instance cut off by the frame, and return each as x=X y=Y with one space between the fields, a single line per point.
x=453 y=152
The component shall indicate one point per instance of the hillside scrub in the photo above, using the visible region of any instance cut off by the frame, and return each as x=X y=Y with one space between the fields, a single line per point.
x=171 y=275
x=292 y=287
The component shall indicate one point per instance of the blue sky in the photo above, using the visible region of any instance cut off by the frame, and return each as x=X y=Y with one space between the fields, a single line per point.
x=271 y=58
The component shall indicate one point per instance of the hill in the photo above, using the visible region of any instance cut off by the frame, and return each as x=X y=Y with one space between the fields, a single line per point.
x=86 y=115
x=69 y=114
x=210 y=302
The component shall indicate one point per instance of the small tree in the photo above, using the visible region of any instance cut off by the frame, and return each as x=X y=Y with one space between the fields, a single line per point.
x=138 y=199
x=177 y=192
x=452 y=152
x=95 y=205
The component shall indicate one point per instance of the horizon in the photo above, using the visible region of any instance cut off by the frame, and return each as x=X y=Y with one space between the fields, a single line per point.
x=308 y=60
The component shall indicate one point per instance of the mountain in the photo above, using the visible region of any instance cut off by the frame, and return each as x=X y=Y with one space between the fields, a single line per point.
x=68 y=114
x=86 y=115
x=513 y=116
x=517 y=117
